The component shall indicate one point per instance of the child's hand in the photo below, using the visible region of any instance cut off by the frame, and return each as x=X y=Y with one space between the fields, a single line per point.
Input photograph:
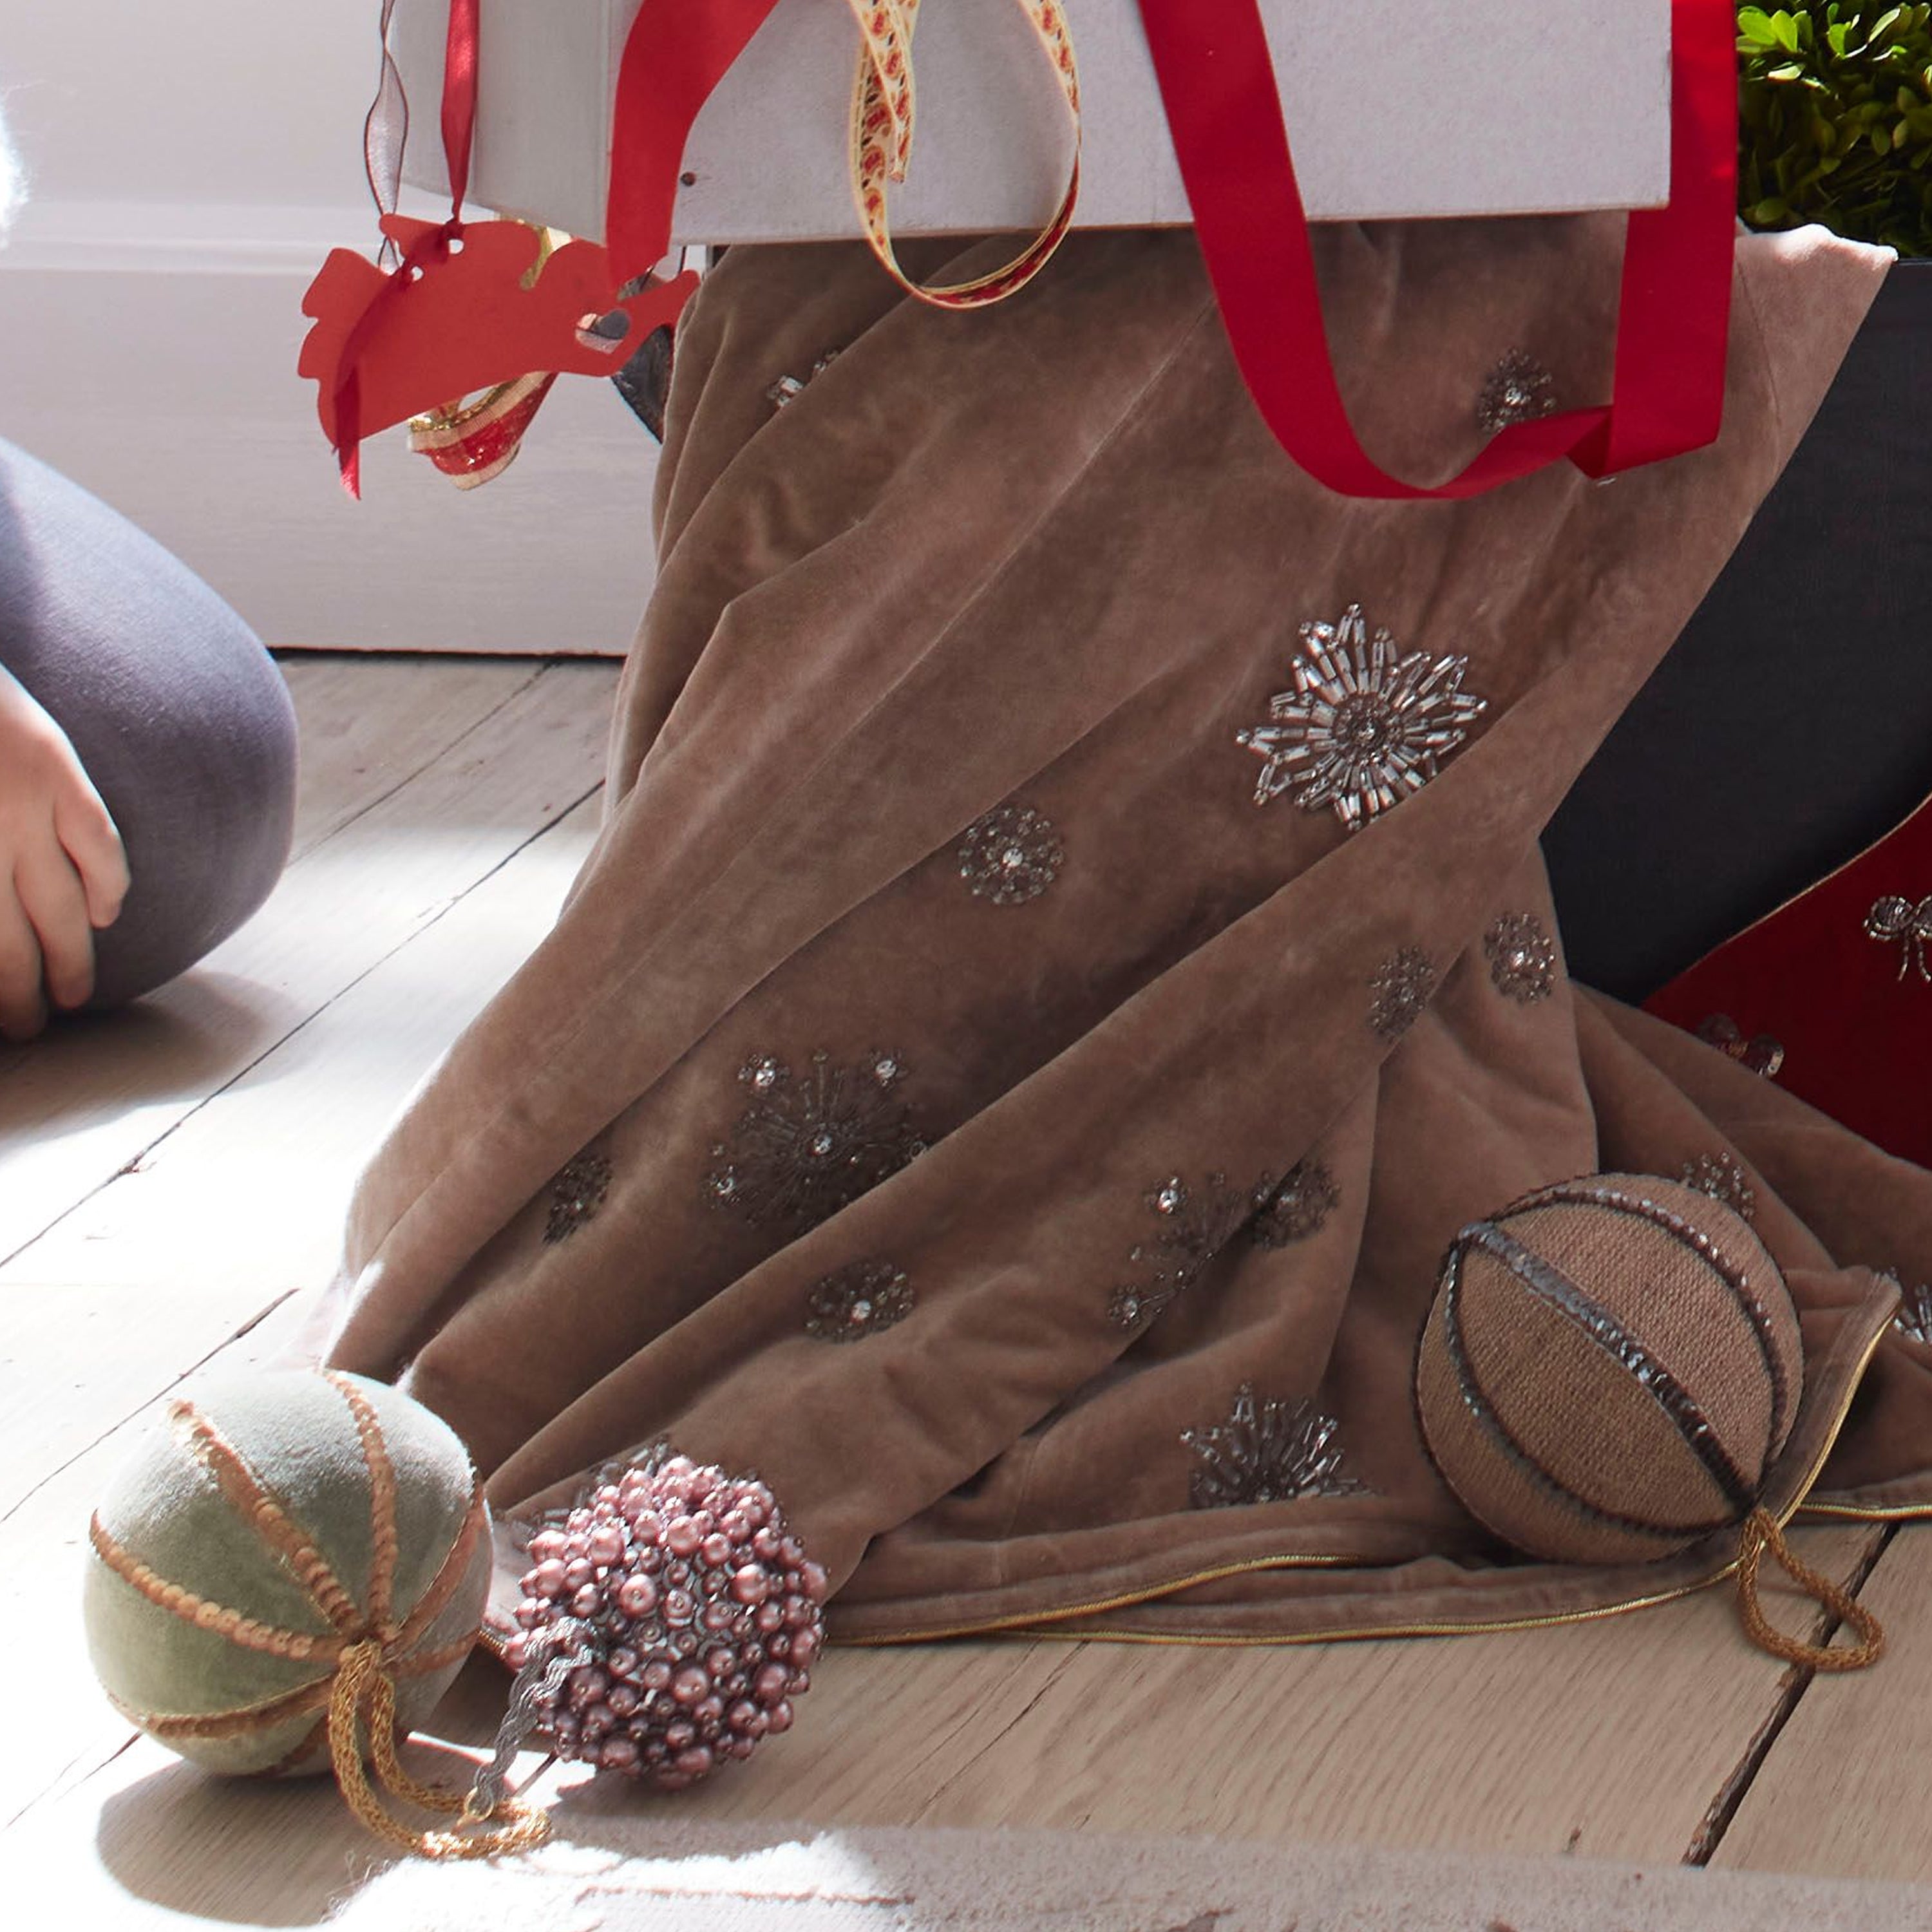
x=62 y=869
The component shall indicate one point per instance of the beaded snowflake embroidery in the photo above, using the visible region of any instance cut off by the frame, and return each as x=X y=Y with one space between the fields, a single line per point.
x=1298 y=1206
x=1197 y=1224
x=809 y=1145
x=1364 y=727
x=1267 y=1452
x=1722 y=1176
x=858 y=1301
x=1522 y=957
x=1518 y=389
x=1402 y=986
x=1915 y=1314
x=1010 y=855
x=1762 y=1054
x=576 y=1195
x=789 y=388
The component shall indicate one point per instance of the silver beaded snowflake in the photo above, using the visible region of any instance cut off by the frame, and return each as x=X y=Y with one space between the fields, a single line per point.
x=1010 y=855
x=1914 y=1317
x=1268 y=1452
x=857 y=1301
x=1722 y=1176
x=809 y=1145
x=1403 y=985
x=576 y=1195
x=1298 y=1206
x=1364 y=727
x=1518 y=389
x=789 y=388
x=1522 y=957
x=1197 y=1224
x=1895 y=919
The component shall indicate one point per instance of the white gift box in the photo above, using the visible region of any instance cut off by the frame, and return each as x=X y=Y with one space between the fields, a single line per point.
x=1394 y=108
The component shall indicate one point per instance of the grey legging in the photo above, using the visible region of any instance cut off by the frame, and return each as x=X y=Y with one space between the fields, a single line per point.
x=179 y=715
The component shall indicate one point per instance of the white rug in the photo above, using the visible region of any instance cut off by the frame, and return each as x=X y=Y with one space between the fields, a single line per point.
x=620 y=1874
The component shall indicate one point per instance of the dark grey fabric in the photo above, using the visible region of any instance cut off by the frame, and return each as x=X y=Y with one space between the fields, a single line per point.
x=179 y=715
x=1791 y=726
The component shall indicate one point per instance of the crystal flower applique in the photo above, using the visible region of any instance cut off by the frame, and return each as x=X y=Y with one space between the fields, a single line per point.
x=1267 y=1452
x=858 y=1301
x=1722 y=1176
x=1365 y=725
x=809 y=1145
x=1522 y=957
x=1010 y=855
x=1298 y=1206
x=1403 y=985
x=576 y=1195
x=1914 y=1312
x=1761 y=1053
x=1518 y=389
x=1197 y=1224
x=1896 y=920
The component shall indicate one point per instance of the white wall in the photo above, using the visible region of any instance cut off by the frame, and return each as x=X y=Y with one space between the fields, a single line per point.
x=189 y=163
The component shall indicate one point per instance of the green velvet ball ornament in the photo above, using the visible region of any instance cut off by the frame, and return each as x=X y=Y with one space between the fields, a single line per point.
x=278 y=1542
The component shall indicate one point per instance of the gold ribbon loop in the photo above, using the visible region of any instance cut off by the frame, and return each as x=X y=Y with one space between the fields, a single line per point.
x=1762 y=1537
x=881 y=144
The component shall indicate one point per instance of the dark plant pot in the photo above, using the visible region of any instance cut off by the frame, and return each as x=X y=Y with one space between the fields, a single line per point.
x=1791 y=726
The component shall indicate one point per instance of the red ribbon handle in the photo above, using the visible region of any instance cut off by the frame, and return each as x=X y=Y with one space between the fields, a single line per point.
x=1217 y=82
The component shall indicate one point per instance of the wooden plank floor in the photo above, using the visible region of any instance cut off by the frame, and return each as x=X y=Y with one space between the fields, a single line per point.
x=170 y=1179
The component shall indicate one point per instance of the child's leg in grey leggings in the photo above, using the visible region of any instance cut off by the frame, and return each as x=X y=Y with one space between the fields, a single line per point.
x=180 y=717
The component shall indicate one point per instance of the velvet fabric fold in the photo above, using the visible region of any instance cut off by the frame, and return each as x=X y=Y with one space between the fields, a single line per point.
x=948 y=1091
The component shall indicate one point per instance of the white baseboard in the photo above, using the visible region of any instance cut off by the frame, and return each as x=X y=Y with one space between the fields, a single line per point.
x=149 y=354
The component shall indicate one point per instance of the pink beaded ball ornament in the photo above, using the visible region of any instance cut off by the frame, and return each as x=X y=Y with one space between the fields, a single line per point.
x=668 y=1623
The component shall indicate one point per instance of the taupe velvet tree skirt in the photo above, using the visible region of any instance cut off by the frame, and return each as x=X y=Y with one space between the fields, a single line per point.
x=948 y=1089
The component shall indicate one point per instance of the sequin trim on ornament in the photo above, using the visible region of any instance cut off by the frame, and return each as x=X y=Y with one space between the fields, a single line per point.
x=1761 y=1054
x=858 y=1301
x=1197 y=1223
x=789 y=388
x=1898 y=922
x=1522 y=957
x=1298 y=1207
x=1364 y=727
x=691 y=1613
x=1915 y=1311
x=810 y=1144
x=1518 y=389
x=576 y=1195
x=1403 y=986
x=1268 y=1452
x=1011 y=855
x=1723 y=1177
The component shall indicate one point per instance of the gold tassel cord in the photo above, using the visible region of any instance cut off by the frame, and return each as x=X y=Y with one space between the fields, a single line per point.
x=364 y=1687
x=1762 y=1537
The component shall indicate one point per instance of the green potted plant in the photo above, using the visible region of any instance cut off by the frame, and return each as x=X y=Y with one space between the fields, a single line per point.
x=1791 y=724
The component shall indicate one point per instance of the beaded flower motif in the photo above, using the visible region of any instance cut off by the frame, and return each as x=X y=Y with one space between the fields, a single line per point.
x=1365 y=725
x=1722 y=1176
x=857 y=1301
x=576 y=1195
x=1896 y=921
x=1402 y=986
x=1298 y=1208
x=1267 y=1452
x=1197 y=1224
x=1010 y=855
x=1518 y=389
x=809 y=1145
x=1522 y=957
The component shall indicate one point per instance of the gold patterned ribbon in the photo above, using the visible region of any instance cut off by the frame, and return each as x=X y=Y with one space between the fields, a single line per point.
x=883 y=103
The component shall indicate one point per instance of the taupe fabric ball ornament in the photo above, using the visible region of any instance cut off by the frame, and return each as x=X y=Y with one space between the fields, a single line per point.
x=290 y=1569
x=1610 y=1369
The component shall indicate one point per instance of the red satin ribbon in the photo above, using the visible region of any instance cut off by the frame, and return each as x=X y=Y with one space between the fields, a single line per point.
x=1217 y=82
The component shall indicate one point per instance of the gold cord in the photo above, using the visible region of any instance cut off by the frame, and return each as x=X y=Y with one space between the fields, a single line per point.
x=1762 y=1537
